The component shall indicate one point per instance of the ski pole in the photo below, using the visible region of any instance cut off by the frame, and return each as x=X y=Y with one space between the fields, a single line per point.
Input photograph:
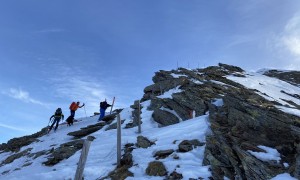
x=49 y=121
x=84 y=111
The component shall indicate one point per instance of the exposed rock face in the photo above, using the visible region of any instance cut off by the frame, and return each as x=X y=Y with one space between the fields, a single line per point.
x=135 y=115
x=175 y=176
x=13 y=157
x=63 y=152
x=164 y=118
x=292 y=77
x=244 y=121
x=84 y=132
x=156 y=168
x=186 y=146
x=16 y=144
x=163 y=153
x=122 y=172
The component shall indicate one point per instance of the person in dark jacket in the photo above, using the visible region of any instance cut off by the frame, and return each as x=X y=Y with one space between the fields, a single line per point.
x=103 y=106
x=58 y=115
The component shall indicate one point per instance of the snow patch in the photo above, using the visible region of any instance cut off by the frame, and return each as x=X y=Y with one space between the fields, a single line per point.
x=284 y=176
x=168 y=94
x=271 y=154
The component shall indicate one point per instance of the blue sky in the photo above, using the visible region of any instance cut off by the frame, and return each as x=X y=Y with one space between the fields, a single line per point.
x=55 y=52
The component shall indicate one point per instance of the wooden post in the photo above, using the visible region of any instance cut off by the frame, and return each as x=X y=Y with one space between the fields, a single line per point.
x=112 y=105
x=83 y=157
x=139 y=118
x=118 y=140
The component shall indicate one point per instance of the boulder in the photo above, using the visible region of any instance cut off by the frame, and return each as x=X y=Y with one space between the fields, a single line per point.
x=156 y=168
x=175 y=176
x=163 y=153
x=84 y=132
x=164 y=118
x=143 y=142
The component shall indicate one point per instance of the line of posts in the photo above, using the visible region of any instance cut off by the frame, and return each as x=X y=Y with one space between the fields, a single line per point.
x=87 y=143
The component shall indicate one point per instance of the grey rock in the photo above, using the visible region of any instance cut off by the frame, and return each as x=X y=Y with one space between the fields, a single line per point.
x=163 y=153
x=84 y=132
x=175 y=176
x=156 y=168
x=122 y=172
x=164 y=118
x=114 y=125
x=185 y=146
x=143 y=142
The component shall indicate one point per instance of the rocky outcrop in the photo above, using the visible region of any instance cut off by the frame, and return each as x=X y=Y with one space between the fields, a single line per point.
x=156 y=168
x=16 y=144
x=143 y=142
x=186 y=145
x=292 y=77
x=163 y=153
x=244 y=121
x=164 y=118
x=136 y=114
x=15 y=156
x=65 y=151
x=175 y=176
x=87 y=130
x=122 y=172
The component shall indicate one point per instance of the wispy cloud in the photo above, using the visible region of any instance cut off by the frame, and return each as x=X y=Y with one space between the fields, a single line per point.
x=75 y=85
x=291 y=35
x=12 y=127
x=286 y=45
x=239 y=39
x=22 y=96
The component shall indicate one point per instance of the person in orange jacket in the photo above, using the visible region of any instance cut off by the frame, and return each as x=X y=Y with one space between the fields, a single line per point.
x=74 y=106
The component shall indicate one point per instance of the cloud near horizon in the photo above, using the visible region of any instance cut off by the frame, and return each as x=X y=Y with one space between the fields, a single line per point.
x=24 y=96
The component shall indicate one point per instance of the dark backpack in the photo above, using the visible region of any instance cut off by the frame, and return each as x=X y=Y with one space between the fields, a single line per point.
x=103 y=104
x=58 y=112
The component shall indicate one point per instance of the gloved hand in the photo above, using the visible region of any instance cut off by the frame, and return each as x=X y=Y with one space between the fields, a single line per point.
x=83 y=104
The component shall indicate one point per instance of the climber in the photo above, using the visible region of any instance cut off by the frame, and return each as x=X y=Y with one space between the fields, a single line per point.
x=57 y=116
x=74 y=106
x=103 y=106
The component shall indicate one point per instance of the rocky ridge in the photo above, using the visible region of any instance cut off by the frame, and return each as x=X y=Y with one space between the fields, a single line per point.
x=244 y=121
x=240 y=124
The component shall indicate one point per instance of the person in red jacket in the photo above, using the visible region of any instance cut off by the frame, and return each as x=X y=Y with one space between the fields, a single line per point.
x=74 y=106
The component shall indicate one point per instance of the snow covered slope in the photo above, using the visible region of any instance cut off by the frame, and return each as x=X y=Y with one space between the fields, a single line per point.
x=102 y=155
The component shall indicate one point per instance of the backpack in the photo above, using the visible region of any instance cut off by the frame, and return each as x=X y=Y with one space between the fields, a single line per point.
x=72 y=105
x=58 y=112
x=103 y=105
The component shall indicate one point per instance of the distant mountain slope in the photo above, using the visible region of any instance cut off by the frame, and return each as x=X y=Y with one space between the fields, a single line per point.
x=219 y=122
